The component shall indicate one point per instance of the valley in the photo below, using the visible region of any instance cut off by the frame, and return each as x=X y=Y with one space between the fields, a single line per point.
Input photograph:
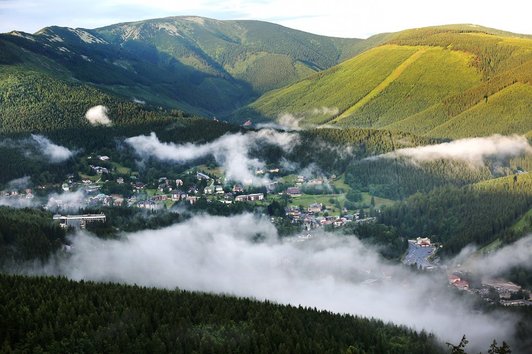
x=188 y=184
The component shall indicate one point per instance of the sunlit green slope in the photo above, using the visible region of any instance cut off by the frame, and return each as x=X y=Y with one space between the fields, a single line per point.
x=450 y=81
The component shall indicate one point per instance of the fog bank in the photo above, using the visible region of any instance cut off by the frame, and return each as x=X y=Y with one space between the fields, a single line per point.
x=231 y=151
x=471 y=150
x=340 y=274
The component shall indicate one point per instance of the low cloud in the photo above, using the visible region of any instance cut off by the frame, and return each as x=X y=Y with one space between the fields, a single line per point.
x=17 y=202
x=16 y=196
x=331 y=272
x=328 y=111
x=230 y=151
x=55 y=153
x=39 y=145
x=292 y=122
x=285 y=121
x=471 y=150
x=69 y=202
x=98 y=115
x=500 y=261
x=19 y=183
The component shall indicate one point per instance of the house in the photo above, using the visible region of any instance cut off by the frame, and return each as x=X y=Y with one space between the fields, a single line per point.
x=423 y=241
x=316 y=182
x=218 y=189
x=241 y=198
x=149 y=205
x=461 y=284
x=118 y=200
x=192 y=199
x=178 y=182
x=176 y=196
x=247 y=124
x=120 y=180
x=202 y=176
x=99 y=170
x=255 y=196
x=293 y=191
x=139 y=186
x=249 y=197
x=103 y=158
x=209 y=189
x=237 y=188
x=159 y=198
x=453 y=279
x=315 y=208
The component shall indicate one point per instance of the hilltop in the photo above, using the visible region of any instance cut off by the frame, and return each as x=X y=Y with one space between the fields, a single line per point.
x=199 y=65
x=448 y=81
x=441 y=82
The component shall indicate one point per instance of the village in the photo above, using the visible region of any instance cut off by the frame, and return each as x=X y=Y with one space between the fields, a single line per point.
x=308 y=201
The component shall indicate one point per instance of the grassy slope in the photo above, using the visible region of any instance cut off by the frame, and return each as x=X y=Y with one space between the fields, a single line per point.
x=435 y=74
x=485 y=117
x=437 y=92
x=336 y=89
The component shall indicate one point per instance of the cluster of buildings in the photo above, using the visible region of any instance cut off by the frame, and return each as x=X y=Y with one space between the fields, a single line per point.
x=492 y=290
x=314 y=216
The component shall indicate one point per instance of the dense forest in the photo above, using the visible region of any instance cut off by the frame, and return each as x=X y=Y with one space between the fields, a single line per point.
x=397 y=178
x=46 y=314
x=459 y=216
x=28 y=234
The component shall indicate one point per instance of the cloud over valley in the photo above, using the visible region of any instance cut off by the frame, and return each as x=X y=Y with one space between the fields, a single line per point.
x=471 y=150
x=231 y=151
x=336 y=273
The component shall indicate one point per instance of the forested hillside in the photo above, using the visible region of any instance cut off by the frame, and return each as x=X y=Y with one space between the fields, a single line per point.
x=58 y=315
x=450 y=81
x=199 y=65
x=27 y=235
x=477 y=213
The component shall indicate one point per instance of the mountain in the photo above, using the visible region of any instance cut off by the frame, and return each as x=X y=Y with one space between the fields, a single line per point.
x=448 y=81
x=196 y=64
x=443 y=82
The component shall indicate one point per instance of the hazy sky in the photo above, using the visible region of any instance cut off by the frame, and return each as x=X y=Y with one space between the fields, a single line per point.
x=343 y=18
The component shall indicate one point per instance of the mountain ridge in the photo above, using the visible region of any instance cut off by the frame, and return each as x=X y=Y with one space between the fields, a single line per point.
x=213 y=67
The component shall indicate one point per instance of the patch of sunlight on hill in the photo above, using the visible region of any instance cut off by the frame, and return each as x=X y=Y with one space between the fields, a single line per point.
x=337 y=88
x=506 y=112
x=436 y=74
x=523 y=183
